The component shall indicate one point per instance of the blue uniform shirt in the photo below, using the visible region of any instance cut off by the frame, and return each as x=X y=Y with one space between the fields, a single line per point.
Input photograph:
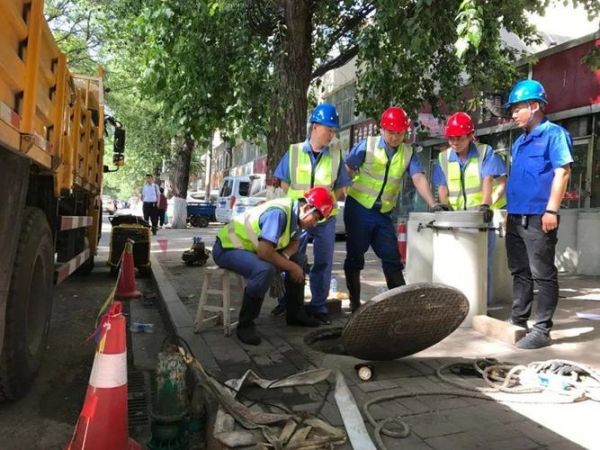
x=535 y=155
x=282 y=171
x=356 y=157
x=272 y=223
x=492 y=165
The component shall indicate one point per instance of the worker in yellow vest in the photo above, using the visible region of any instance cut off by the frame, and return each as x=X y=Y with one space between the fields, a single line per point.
x=264 y=239
x=470 y=176
x=316 y=162
x=378 y=165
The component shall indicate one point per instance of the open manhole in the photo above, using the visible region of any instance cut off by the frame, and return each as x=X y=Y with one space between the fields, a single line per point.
x=326 y=340
x=396 y=323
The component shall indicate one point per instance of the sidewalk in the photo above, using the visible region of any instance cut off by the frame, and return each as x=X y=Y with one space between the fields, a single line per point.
x=437 y=422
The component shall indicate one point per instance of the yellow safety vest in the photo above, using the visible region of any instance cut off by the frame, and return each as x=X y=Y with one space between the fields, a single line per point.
x=464 y=187
x=242 y=232
x=301 y=173
x=378 y=175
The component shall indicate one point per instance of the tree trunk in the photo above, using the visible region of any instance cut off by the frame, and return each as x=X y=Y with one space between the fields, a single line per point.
x=180 y=178
x=293 y=67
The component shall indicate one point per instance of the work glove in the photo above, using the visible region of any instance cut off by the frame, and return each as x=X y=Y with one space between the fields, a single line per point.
x=441 y=207
x=488 y=214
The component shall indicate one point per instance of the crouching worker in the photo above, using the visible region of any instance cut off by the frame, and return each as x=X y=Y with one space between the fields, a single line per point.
x=263 y=240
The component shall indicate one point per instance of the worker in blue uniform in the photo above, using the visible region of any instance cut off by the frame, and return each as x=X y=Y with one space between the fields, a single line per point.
x=378 y=165
x=541 y=166
x=263 y=240
x=317 y=161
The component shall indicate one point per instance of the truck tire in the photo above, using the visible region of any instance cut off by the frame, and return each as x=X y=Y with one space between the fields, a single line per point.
x=29 y=305
x=199 y=221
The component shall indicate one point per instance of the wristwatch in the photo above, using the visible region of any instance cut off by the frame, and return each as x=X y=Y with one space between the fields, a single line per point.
x=550 y=211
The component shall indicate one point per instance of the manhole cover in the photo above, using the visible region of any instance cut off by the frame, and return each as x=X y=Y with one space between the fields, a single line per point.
x=404 y=321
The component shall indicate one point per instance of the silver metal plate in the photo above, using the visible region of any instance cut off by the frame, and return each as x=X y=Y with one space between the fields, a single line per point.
x=404 y=321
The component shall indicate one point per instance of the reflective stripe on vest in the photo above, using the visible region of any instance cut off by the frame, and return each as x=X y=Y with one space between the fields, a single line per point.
x=301 y=170
x=242 y=231
x=379 y=175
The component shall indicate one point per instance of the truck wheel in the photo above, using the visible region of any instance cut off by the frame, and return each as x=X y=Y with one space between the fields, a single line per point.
x=202 y=221
x=29 y=304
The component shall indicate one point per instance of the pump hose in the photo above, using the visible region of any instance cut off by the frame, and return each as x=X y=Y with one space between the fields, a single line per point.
x=499 y=377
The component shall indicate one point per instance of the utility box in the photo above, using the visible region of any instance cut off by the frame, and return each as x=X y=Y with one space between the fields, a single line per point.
x=566 y=248
x=588 y=243
x=419 y=258
x=460 y=252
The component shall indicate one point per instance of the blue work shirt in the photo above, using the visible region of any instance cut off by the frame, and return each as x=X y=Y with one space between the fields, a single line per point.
x=492 y=165
x=282 y=171
x=535 y=155
x=356 y=157
x=272 y=224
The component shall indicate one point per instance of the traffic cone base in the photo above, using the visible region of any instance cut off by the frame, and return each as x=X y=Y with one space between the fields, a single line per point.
x=126 y=286
x=103 y=421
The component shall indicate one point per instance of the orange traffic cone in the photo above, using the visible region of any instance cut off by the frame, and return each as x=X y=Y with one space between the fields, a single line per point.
x=126 y=287
x=102 y=424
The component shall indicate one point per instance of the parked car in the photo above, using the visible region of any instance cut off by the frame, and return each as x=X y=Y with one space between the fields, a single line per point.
x=233 y=189
x=258 y=195
x=108 y=205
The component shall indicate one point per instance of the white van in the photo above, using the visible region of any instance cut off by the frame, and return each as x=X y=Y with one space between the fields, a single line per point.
x=257 y=196
x=232 y=190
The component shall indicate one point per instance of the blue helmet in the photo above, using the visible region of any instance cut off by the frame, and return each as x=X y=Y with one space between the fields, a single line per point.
x=526 y=90
x=325 y=114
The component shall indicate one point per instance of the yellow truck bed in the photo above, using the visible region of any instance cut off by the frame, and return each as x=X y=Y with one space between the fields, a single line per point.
x=47 y=114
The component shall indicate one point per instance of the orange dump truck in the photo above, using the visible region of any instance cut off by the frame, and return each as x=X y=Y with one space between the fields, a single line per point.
x=52 y=129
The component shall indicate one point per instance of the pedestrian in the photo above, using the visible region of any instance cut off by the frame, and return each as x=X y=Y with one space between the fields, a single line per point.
x=150 y=195
x=471 y=176
x=541 y=166
x=161 y=206
x=378 y=164
x=316 y=162
x=266 y=239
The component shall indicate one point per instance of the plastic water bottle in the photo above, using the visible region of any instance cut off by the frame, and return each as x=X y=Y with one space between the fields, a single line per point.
x=333 y=286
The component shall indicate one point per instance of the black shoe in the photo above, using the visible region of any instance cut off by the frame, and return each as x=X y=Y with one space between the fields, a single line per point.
x=533 y=340
x=353 y=285
x=248 y=335
x=279 y=310
x=154 y=231
x=323 y=318
x=394 y=280
x=301 y=319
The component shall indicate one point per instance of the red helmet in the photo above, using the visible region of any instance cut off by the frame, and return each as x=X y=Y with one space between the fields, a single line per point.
x=459 y=124
x=321 y=198
x=394 y=119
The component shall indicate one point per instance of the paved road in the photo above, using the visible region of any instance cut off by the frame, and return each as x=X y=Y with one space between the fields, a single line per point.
x=45 y=418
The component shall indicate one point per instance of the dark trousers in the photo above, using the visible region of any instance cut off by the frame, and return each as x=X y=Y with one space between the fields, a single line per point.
x=530 y=254
x=162 y=214
x=369 y=227
x=151 y=212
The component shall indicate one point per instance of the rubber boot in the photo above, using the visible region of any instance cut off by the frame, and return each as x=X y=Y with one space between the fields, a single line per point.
x=246 y=329
x=394 y=280
x=295 y=312
x=353 y=285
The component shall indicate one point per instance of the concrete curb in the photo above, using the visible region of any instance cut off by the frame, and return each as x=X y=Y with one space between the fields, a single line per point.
x=179 y=317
